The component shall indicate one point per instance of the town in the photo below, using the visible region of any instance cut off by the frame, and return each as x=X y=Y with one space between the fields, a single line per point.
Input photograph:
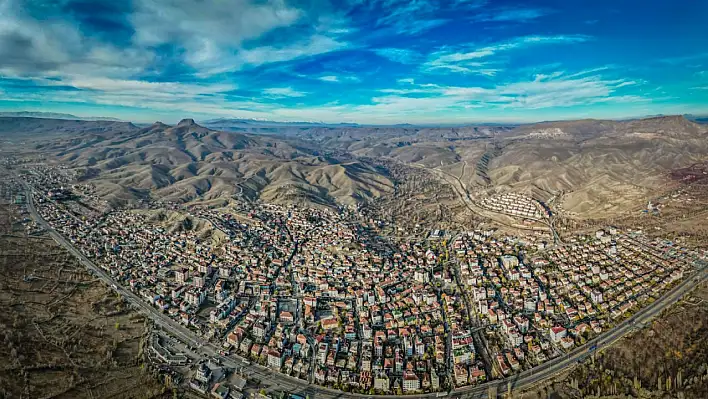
x=319 y=295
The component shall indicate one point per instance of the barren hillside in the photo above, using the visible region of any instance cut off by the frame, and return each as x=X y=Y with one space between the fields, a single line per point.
x=593 y=168
x=189 y=162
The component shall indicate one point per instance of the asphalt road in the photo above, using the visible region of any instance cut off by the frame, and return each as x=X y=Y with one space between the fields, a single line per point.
x=281 y=381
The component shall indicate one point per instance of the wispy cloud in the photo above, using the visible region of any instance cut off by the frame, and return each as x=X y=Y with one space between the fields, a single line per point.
x=400 y=55
x=338 y=79
x=329 y=78
x=682 y=59
x=559 y=91
x=314 y=45
x=281 y=92
x=543 y=91
x=591 y=71
x=468 y=59
x=513 y=15
x=140 y=87
x=408 y=16
x=158 y=97
x=284 y=59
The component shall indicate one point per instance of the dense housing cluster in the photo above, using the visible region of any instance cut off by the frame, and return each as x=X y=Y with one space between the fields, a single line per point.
x=318 y=295
x=542 y=306
x=515 y=204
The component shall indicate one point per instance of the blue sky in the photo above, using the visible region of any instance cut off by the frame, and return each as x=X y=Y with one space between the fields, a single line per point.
x=381 y=61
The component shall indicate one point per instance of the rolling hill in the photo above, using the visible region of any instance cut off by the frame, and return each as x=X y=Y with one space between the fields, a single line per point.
x=188 y=162
x=593 y=168
x=32 y=127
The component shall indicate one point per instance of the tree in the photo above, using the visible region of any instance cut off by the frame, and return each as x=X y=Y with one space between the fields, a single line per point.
x=117 y=326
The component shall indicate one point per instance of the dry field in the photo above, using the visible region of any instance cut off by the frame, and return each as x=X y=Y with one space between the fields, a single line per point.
x=64 y=334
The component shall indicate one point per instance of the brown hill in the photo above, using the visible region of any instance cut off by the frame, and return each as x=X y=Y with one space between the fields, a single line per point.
x=188 y=162
x=58 y=127
x=602 y=167
x=594 y=168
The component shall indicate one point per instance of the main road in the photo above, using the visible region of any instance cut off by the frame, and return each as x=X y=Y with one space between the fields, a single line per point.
x=278 y=381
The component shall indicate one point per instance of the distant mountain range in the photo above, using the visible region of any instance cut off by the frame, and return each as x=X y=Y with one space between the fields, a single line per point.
x=56 y=115
x=697 y=118
x=245 y=124
x=603 y=167
x=23 y=127
x=263 y=122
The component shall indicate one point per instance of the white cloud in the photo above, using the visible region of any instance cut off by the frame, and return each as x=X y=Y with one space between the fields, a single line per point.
x=680 y=60
x=512 y=15
x=400 y=55
x=590 y=71
x=55 y=47
x=468 y=59
x=329 y=78
x=626 y=83
x=338 y=79
x=558 y=92
x=208 y=31
x=544 y=91
x=316 y=44
x=408 y=16
x=154 y=97
x=125 y=87
x=212 y=37
x=282 y=92
x=431 y=102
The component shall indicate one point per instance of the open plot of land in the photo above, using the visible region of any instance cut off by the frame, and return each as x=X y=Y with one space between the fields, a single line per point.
x=64 y=334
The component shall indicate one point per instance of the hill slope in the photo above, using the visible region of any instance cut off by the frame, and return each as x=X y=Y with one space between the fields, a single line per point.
x=593 y=168
x=42 y=127
x=188 y=162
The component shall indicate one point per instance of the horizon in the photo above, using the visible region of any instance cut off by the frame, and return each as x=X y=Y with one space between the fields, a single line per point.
x=378 y=63
x=65 y=116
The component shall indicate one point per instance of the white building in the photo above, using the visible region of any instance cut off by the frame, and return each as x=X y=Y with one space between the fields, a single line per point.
x=596 y=296
x=274 y=359
x=557 y=333
x=410 y=381
x=381 y=382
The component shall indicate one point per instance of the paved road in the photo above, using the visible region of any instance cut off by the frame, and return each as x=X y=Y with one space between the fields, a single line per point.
x=283 y=382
